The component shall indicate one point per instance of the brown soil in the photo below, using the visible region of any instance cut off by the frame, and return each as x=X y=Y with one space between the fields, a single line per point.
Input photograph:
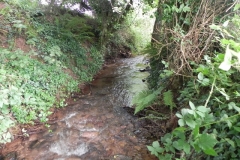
x=20 y=43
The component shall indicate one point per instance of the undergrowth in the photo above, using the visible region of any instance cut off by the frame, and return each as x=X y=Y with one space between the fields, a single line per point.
x=61 y=56
x=27 y=93
x=207 y=101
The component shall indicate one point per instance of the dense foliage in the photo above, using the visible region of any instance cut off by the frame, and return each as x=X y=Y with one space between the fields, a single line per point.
x=195 y=53
x=52 y=65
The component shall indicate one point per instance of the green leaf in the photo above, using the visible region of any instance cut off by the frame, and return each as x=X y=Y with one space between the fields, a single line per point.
x=166 y=157
x=186 y=148
x=191 y=105
x=236 y=128
x=177 y=146
x=1 y=104
x=181 y=122
x=205 y=82
x=179 y=115
x=200 y=76
x=186 y=9
x=215 y=27
x=223 y=92
x=225 y=24
x=232 y=105
x=195 y=131
x=191 y=111
x=190 y=122
x=168 y=99
x=201 y=114
x=236 y=7
x=226 y=64
x=155 y=144
x=210 y=151
x=152 y=150
x=182 y=145
x=5 y=110
x=203 y=109
x=230 y=142
x=159 y=149
x=206 y=142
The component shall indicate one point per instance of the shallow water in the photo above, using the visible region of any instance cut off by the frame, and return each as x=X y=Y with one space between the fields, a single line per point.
x=95 y=126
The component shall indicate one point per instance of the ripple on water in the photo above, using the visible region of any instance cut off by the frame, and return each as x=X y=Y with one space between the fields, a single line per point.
x=62 y=148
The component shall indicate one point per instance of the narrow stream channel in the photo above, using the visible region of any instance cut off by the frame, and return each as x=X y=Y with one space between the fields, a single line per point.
x=96 y=126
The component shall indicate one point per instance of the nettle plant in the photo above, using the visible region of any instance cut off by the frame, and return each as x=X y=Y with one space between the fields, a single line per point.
x=209 y=126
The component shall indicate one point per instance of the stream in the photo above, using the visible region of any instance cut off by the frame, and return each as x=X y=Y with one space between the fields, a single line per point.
x=96 y=125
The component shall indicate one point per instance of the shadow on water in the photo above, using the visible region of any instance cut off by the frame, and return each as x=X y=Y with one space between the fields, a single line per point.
x=95 y=126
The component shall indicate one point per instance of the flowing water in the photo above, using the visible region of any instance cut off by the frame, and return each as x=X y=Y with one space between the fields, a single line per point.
x=95 y=126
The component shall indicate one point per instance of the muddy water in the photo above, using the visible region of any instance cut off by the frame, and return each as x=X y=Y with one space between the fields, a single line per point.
x=96 y=126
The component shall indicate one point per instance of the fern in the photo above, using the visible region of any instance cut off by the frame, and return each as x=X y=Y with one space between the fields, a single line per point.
x=168 y=99
x=145 y=99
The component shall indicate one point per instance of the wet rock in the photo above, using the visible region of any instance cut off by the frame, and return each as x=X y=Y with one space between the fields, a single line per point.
x=145 y=69
x=133 y=139
x=11 y=156
x=121 y=157
x=89 y=134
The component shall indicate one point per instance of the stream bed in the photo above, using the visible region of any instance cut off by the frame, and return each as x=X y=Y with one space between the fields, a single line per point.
x=96 y=125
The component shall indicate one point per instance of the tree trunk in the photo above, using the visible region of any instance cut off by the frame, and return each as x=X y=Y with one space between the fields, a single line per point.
x=157 y=24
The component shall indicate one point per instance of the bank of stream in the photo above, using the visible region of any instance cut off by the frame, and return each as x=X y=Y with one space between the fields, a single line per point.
x=96 y=124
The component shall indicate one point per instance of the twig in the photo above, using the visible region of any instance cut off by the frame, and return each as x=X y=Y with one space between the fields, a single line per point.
x=210 y=94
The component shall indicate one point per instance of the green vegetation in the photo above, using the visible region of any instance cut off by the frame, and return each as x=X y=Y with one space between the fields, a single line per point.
x=53 y=64
x=122 y=26
x=195 y=71
x=194 y=59
x=60 y=49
